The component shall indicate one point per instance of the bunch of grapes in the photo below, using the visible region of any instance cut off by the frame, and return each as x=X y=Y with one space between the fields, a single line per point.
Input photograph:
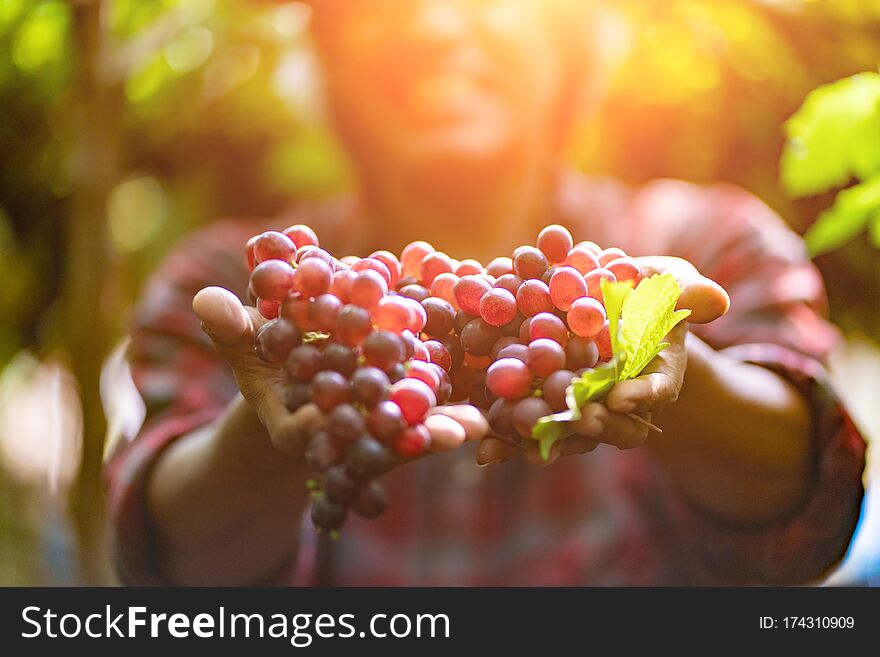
x=376 y=342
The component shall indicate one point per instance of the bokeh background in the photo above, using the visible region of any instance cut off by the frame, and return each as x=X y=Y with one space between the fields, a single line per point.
x=126 y=123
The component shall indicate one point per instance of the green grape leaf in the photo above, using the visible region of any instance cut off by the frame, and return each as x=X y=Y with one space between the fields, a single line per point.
x=648 y=316
x=834 y=136
x=852 y=210
x=614 y=295
x=592 y=385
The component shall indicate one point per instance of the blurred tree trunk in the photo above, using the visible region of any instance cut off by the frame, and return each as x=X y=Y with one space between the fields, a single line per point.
x=89 y=299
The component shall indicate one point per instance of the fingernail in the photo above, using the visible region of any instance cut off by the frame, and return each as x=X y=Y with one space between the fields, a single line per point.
x=494 y=461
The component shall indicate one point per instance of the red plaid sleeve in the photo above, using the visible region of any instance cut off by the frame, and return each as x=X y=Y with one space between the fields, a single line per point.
x=775 y=320
x=183 y=383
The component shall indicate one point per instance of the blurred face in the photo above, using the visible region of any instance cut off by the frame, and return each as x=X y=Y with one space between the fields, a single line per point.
x=440 y=83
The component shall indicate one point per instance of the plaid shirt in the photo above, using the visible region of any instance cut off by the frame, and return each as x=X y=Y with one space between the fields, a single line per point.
x=608 y=518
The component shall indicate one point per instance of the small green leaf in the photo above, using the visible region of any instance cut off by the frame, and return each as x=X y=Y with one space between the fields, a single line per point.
x=614 y=295
x=591 y=385
x=549 y=429
x=648 y=316
x=852 y=210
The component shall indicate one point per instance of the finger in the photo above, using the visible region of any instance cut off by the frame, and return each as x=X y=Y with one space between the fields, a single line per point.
x=475 y=424
x=705 y=298
x=290 y=432
x=446 y=433
x=591 y=423
x=624 y=432
x=492 y=451
x=223 y=317
x=533 y=455
x=659 y=383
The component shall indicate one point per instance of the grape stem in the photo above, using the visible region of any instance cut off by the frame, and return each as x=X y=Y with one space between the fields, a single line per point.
x=644 y=422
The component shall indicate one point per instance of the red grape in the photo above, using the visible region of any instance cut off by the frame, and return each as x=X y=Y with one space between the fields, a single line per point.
x=547 y=325
x=367 y=289
x=425 y=372
x=341 y=285
x=478 y=337
x=301 y=235
x=509 y=378
x=415 y=399
x=555 y=242
x=438 y=354
x=603 y=342
x=611 y=254
x=586 y=317
x=466 y=267
x=517 y=350
x=323 y=312
x=433 y=265
x=392 y=314
x=500 y=344
x=273 y=245
x=416 y=292
x=443 y=287
x=391 y=262
x=529 y=262
x=272 y=280
x=582 y=259
x=268 y=309
x=509 y=282
x=313 y=277
x=249 y=258
x=545 y=357
x=412 y=441
x=497 y=307
x=275 y=339
x=304 y=362
x=412 y=255
x=566 y=285
x=594 y=282
x=383 y=349
x=376 y=265
x=534 y=297
x=625 y=269
x=500 y=266
x=329 y=389
x=468 y=292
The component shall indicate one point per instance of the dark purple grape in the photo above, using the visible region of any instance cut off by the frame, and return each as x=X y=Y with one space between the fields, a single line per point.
x=386 y=421
x=328 y=515
x=481 y=396
x=444 y=390
x=527 y=412
x=416 y=292
x=276 y=339
x=406 y=281
x=346 y=423
x=397 y=373
x=323 y=312
x=371 y=500
x=328 y=390
x=478 y=337
x=511 y=329
x=369 y=386
x=338 y=485
x=581 y=352
x=441 y=317
x=296 y=395
x=462 y=319
x=353 y=325
x=383 y=349
x=304 y=362
x=554 y=389
x=322 y=451
x=367 y=458
x=501 y=417
x=453 y=346
x=339 y=358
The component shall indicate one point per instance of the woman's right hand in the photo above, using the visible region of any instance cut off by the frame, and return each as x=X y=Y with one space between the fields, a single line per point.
x=231 y=326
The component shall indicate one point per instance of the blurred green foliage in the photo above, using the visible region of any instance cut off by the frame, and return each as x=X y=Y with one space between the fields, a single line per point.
x=833 y=139
x=220 y=112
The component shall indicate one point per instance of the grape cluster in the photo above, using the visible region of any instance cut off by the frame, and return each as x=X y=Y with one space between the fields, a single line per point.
x=376 y=342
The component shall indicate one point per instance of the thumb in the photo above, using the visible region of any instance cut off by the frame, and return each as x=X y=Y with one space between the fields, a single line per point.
x=225 y=320
x=705 y=298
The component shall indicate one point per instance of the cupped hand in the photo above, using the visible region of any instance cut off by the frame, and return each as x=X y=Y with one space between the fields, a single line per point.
x=614 y=421
x=232 y=326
